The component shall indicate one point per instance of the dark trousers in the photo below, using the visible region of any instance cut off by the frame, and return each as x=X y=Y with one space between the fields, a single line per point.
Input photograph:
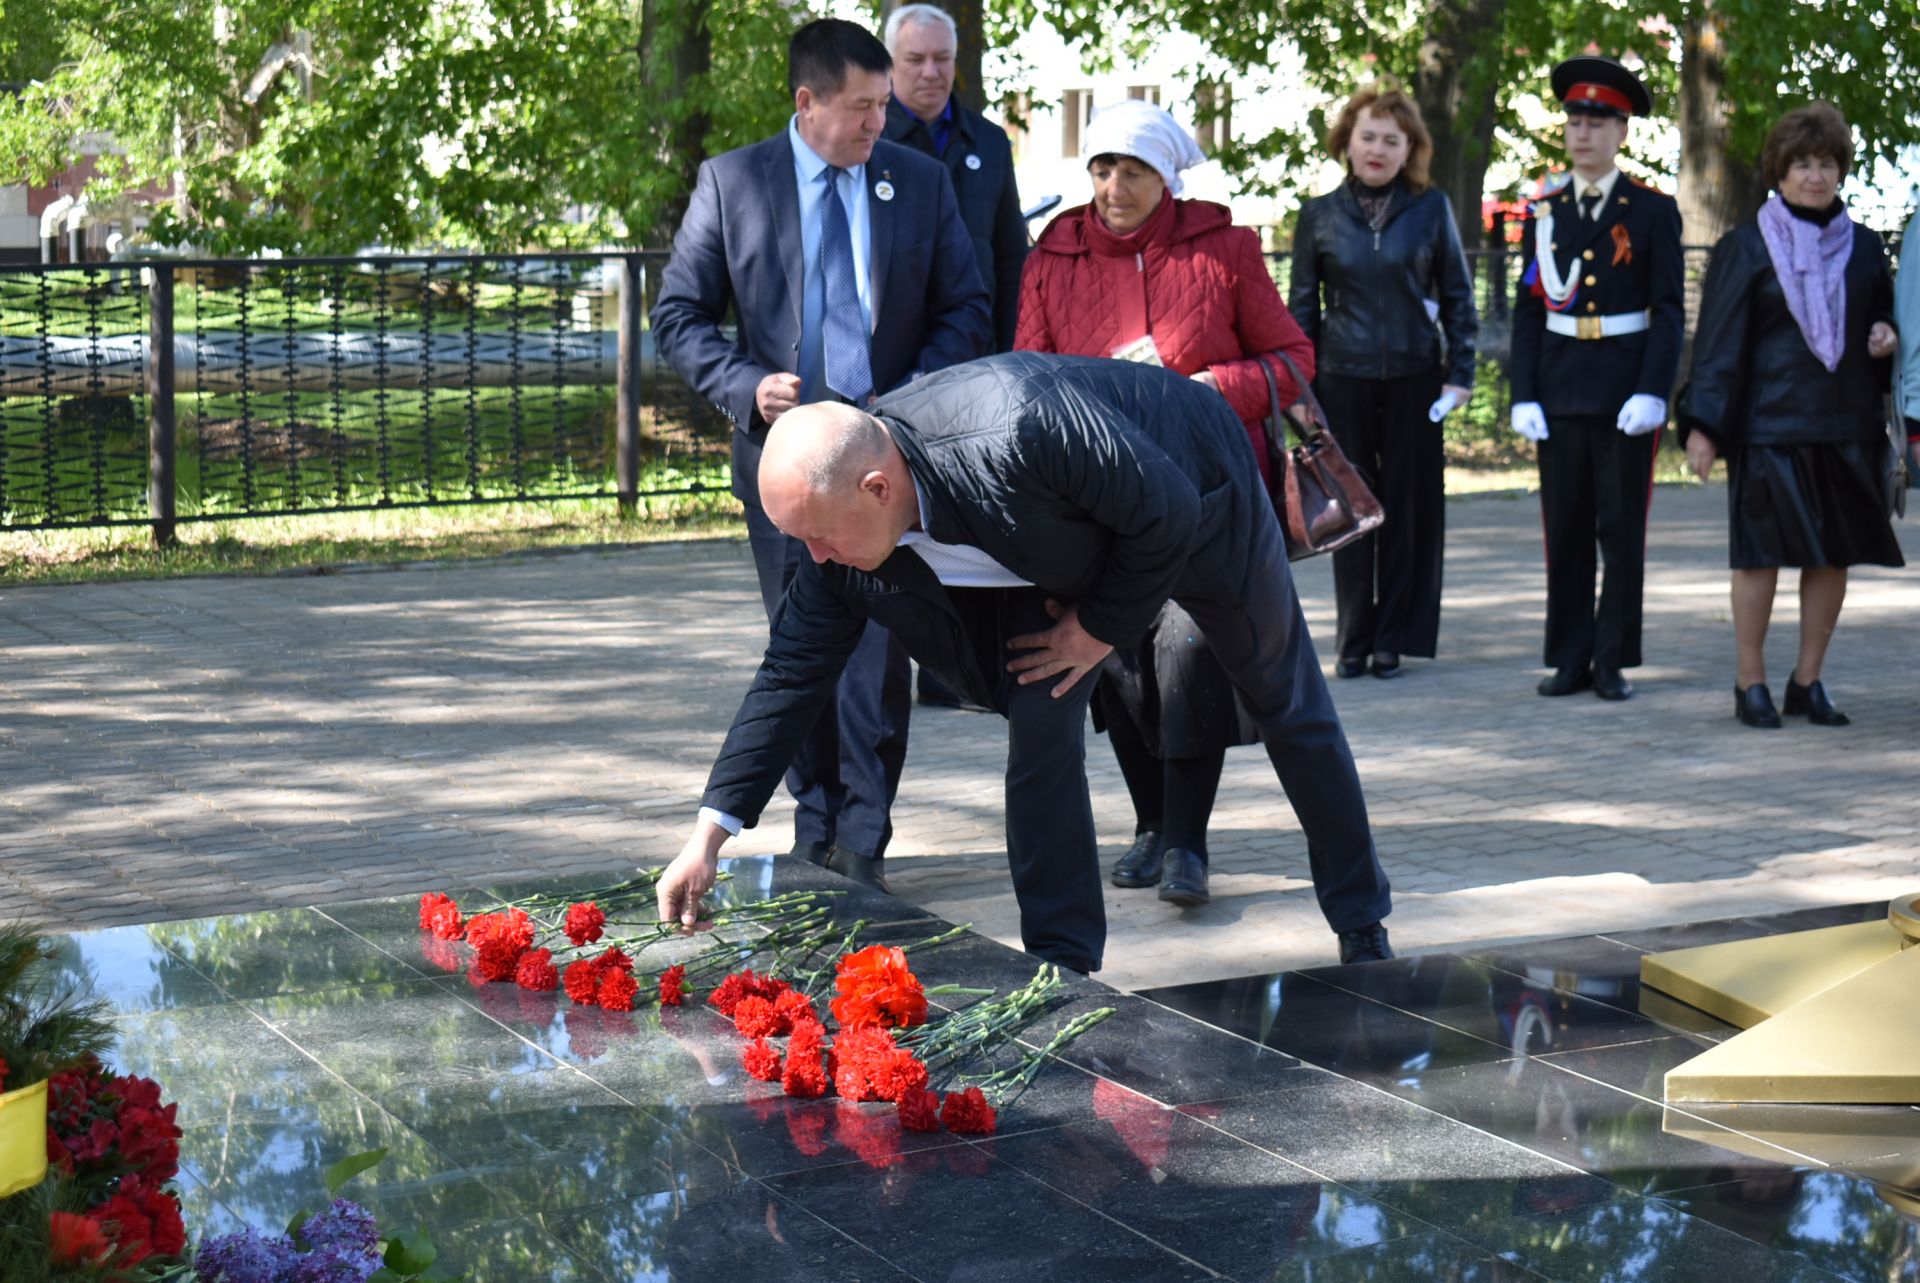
x=1259 y=635
x=1595 y=483
x=1387 y=584
x=847 y=771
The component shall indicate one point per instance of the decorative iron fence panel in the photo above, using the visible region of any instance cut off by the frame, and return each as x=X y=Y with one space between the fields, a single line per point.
x=202 y=390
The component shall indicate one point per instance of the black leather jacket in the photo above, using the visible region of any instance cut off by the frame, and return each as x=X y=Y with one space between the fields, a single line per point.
x=1361 y=297
x=1754 y=379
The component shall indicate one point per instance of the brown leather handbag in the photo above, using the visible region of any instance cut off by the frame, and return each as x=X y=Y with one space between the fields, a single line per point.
x=1321 y=501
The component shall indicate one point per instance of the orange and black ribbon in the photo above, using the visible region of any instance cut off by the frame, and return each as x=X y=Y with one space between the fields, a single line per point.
x=1622 y=247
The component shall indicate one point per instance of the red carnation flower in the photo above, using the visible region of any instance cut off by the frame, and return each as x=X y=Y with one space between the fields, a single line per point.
x=968 y=1113
x=875 y=987
x=802 y=1074
x=584 y=922
x=761 y=1060
x=75 y=1242
x=510 y=928
x=919 y=1110
x=755 y=1017
x=440 y=915
x=615 y=957
x=795 y=1008
x=673 y=987
x=744 y=984
x=146 y=1221
x=582 y=982
x=617 y=989
x=869 y=1066
x=537 y=972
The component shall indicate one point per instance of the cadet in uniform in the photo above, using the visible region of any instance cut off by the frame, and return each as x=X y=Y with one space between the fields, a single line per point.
x=1597 y=328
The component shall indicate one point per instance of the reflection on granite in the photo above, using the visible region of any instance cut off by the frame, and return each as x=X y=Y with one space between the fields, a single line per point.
x=1838 y=1222
x=959 y=1213
x=1489 y=1117
x=1327 y=1026
x=1170 y=1176
x=1580 y=1122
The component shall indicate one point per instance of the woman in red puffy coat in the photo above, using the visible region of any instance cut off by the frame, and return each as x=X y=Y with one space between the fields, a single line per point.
x=1143 y=275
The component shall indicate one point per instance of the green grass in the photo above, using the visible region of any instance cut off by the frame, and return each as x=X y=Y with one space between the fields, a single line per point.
x=316 y=544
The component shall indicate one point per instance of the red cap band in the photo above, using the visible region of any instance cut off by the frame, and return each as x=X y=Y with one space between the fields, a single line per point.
x=1587 y=92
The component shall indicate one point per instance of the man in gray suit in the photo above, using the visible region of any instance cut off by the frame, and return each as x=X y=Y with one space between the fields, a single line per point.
x=849 y=273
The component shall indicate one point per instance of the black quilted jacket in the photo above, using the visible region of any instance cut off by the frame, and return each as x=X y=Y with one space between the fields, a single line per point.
x=1108 y=484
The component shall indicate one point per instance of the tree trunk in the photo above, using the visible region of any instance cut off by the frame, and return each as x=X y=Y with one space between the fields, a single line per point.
x=1717 y=188
x=675 y=49
x=1455 y=85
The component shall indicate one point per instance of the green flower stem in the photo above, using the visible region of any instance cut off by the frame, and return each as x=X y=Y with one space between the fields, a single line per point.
x=946 y=989
x=934 y=942
x=1016 y=1078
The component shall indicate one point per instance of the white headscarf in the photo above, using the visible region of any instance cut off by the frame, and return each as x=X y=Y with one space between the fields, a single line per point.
x=1148 y=133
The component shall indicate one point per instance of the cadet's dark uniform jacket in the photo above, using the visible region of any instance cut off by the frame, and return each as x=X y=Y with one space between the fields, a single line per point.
x=1628 y=260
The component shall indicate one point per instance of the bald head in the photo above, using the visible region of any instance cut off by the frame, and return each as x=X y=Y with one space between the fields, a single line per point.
x=831 y=476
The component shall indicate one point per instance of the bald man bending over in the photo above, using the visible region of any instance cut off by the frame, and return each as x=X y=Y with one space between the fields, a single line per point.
x=1011 y=520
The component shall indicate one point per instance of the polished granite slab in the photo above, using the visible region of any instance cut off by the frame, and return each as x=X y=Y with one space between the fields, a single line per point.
x=1489 y=1116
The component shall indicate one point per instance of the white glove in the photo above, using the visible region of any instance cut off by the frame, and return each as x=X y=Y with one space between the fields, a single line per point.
x=1530 y=421
x=1447 y=404
x=1642 y=414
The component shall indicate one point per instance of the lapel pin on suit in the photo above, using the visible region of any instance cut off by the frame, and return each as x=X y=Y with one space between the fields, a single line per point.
x=884 y=188
x=973 y=162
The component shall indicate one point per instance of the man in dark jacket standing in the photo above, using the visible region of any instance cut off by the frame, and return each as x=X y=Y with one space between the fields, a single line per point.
x=1596 y=343
x=1011 y=521
x=925 y=116
x=848 y=271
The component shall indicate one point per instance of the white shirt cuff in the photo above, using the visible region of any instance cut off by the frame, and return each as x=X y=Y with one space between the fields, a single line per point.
x=725 y=821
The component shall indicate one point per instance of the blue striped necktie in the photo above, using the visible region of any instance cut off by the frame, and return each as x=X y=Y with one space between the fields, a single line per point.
x=849 y=366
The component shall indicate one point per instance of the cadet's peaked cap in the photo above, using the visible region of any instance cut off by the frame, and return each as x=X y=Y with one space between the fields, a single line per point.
x=1600 y=87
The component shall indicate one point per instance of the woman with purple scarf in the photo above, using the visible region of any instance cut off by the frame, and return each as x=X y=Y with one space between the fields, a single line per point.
x=1790 y=359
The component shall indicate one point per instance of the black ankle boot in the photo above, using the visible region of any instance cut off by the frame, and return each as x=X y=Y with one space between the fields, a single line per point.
x=1810 y=701
x=1754 y=707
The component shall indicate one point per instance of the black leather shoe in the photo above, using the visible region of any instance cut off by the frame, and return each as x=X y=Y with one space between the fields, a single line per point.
x=1365 y=944
x=812 y=852
x=855 y=867
x=1754 y=707
x=1140 y=866
x=1810 y=701
x=1185 y=881
x=1611 y=683
x=1345 y=667
x=1385 y=665
x=1566 y=681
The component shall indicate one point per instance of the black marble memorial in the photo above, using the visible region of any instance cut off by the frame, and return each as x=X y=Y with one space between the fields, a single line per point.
x=1494 y=1115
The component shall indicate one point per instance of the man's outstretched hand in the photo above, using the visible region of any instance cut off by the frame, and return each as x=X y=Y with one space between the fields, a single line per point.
x=1064 y=648
x=683 y=887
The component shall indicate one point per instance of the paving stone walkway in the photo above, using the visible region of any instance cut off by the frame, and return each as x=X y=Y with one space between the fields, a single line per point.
x=207 y=746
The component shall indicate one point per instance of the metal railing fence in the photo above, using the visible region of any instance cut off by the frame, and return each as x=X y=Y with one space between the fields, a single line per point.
x=163 y=392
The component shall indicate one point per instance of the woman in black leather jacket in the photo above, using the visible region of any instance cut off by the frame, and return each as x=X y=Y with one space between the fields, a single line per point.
x=1376 y=262
x=1790 y=358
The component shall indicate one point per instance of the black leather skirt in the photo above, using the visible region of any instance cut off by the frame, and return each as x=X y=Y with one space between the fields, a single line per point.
x=1174 y=691
x=1809 y=505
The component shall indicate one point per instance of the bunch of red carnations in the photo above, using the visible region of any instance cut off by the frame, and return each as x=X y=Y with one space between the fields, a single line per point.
x=543 y=943
x=115 y=1145
x=875 y=992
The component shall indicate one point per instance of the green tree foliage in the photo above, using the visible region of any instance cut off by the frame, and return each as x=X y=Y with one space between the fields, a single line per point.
x=1472 y=62
x=326 y=125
